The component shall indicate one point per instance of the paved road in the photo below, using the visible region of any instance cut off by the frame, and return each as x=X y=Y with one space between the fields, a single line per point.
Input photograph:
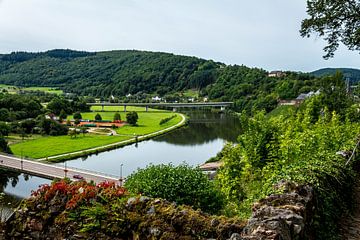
x=52 y=171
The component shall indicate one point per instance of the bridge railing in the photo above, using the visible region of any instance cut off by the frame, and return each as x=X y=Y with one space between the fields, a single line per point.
x=86 y=171
x=59 y=165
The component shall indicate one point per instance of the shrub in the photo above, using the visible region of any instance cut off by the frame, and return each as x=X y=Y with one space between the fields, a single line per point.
x=181 y=184
x=165 y=120
x=132 y=117
x=117 y=117
x=77 y=115
x=98 y=117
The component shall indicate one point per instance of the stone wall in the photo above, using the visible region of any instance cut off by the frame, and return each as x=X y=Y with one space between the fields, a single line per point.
x=283 y=216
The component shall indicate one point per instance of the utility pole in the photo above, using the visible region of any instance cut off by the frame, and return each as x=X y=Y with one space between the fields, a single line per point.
x=65 y=169
x=121 y=177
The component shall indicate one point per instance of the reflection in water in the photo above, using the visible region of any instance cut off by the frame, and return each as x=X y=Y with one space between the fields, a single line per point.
x=6 y=177
x=204 y=127
x=202 y=139
x=17 y=186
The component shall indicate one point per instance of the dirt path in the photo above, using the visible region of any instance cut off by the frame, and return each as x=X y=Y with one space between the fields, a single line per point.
x=350 y=226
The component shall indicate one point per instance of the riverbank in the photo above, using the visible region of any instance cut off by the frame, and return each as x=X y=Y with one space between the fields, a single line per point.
x=72 y=155
x=63 y=147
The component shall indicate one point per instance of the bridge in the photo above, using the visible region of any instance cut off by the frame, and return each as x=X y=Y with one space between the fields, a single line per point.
x=52 y=171
x=174 y=106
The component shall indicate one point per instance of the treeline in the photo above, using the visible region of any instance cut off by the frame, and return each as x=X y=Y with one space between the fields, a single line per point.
x=252 y=90
x=119 y=73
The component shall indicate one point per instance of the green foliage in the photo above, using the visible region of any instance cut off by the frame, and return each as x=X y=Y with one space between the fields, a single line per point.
x=132 y=117
x=4 y=129
x=335 y=21
x=4 y=145
x=51 y=127
x=77 y=115
x=103 y=74
x=117 y=117
x=58 y=104
x=252 y=90
x=165 y=120
x=16 y=107
x=142 y=74
x=98 y=117
x=181 y=184
x=297 y=148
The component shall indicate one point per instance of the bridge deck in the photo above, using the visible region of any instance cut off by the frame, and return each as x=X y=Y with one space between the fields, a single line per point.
x=51 y=171
x=174 y=105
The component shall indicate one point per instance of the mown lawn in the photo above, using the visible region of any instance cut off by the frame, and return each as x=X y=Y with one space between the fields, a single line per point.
x=148 y=121
x=42 y=147
x=50 y=146
x=121 y=109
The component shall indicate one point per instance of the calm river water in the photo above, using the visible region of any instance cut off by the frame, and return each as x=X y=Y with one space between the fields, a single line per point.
x=202 y=139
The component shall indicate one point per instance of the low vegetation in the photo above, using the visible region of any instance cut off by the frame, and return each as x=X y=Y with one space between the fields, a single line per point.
x=165 y=120
x=181 y=184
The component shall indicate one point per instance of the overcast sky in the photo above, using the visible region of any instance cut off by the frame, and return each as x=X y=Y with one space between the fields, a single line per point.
x=258 y=33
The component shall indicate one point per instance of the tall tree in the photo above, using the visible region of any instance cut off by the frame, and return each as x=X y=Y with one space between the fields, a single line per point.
x=334 y=20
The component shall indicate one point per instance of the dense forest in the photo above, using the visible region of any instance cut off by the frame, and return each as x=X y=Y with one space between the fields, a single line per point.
x=352 y=74
x=119 y=73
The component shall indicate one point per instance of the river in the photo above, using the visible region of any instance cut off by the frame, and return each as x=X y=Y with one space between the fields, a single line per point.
x=201 y=139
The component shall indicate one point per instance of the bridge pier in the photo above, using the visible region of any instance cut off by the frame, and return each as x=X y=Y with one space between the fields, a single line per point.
x=124 y=108
x=174 y=109
x=146 y=108
x=102 y=108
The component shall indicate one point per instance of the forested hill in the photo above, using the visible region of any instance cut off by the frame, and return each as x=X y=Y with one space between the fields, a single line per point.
x=351 y=73
x=119 y=73
x=105 y=73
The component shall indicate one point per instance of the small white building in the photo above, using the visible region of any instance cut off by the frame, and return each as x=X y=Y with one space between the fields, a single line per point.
x=157 y=99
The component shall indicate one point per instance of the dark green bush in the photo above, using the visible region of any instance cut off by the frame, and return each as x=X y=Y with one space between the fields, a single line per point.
x=165 y=120
x=181 y=184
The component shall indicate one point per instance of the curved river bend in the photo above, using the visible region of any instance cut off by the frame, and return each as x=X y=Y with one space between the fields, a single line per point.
x=202 y=139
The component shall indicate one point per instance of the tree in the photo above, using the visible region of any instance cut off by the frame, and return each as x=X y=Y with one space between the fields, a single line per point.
x=4 y=145
x=182 y=184
x=132 y=117
x=62 y=114
x=336 y=21
x=98 y=117
x=117 y=117
x=77 y=115
x=4 y=129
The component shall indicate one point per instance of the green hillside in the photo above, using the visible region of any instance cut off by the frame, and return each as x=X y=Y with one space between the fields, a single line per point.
x=118 y=73
x=351 y=73
x=104 y=73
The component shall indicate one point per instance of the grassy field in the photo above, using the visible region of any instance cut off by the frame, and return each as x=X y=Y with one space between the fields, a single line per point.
x=148 y=121
x=14 y=89
x=50 y=146
x=42 y=147
x=121 y=109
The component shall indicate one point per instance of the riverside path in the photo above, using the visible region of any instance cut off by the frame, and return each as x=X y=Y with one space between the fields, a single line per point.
x=52 y=171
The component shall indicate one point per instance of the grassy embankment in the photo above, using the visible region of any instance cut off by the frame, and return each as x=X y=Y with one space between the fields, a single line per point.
x=43 y=147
